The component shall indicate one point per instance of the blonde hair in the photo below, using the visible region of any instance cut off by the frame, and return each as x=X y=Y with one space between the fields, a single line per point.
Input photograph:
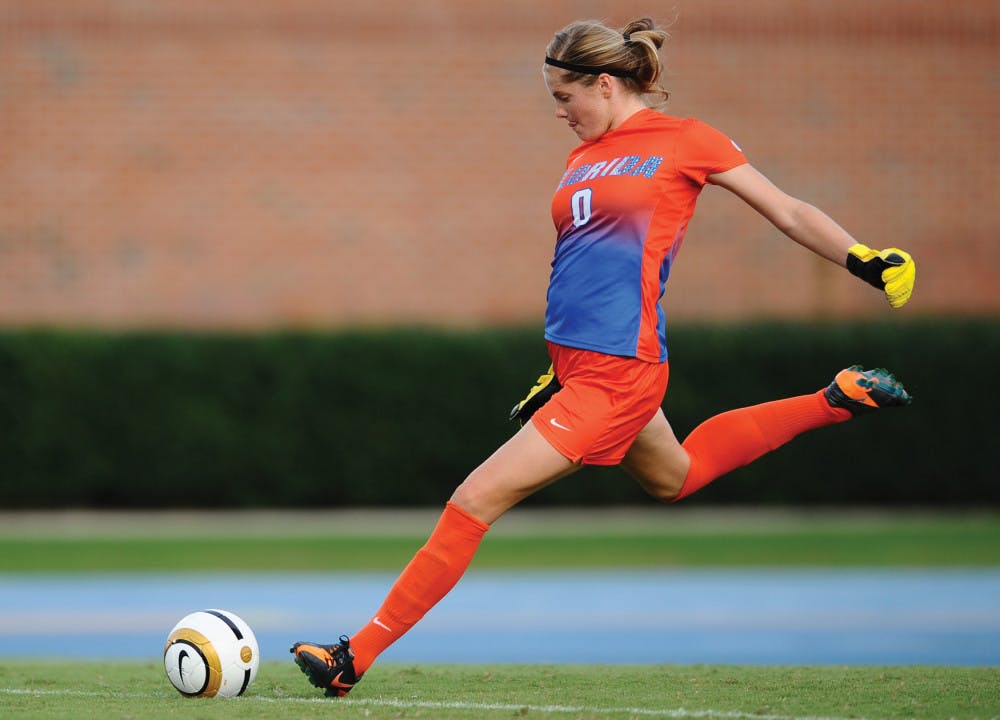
x=631 y=54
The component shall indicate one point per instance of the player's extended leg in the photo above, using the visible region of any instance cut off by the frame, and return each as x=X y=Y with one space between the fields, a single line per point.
x=524 y=464
x=657 y=460
x=669 y=470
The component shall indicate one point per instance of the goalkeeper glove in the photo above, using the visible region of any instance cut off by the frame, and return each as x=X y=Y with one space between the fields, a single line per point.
x=891 y=271
x=546 y=387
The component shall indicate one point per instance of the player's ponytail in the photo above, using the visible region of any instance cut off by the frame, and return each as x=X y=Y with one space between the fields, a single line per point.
x=586 y=48
x=645 y=41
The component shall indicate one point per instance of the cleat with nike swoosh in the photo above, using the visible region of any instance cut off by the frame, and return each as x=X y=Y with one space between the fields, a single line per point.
x=329 y=667
x=862 y=391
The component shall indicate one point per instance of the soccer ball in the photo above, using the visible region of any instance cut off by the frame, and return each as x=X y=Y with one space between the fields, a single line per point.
x=211 y=653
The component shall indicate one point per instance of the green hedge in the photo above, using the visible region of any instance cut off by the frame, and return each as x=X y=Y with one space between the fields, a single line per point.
x=399 y=416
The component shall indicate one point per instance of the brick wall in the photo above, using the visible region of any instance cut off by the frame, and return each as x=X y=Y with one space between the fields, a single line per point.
x=315 y=162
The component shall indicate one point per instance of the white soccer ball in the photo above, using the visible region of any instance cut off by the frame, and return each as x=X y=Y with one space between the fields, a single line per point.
x=211 y=653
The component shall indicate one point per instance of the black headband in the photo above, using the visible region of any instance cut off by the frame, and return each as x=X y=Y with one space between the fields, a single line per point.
x=588 y=69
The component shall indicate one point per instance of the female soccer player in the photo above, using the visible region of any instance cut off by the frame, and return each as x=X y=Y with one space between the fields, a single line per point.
x=620 y=210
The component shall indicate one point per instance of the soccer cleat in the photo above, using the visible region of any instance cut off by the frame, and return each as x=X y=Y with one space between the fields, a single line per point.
x=861 y=391
x=330 y=667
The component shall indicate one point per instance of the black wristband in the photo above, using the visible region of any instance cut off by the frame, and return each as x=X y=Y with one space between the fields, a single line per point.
x=870 y=271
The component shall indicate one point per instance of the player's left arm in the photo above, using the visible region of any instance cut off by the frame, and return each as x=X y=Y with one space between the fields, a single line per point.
x=892 y=271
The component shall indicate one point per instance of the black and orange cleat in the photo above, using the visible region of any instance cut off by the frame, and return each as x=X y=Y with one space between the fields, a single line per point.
x=329 y=667
x=861 y=391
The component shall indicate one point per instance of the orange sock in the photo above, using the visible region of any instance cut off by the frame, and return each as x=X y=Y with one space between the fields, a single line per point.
x=738 y=437
x=432 y=572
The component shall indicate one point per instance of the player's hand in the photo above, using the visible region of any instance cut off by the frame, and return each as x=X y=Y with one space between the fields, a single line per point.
x=891 y=271
x=546 y=387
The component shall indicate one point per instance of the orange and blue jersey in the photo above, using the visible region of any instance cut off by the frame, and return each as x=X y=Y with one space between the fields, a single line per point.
x=620 y=211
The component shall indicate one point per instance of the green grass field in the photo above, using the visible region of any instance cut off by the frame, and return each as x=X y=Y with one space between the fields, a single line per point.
x=83 y=543
x=386 y=541
x=452 y=692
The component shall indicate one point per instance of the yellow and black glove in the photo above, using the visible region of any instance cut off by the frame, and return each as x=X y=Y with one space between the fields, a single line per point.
x=892 y=271
x=546 y=387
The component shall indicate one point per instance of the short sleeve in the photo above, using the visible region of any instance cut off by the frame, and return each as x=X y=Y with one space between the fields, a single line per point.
x=702 y=151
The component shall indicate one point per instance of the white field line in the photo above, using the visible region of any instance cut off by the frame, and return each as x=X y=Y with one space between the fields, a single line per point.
x=478 y=707
x=429 y=705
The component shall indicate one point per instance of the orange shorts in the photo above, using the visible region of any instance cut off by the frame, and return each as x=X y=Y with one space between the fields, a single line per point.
x=604 y=402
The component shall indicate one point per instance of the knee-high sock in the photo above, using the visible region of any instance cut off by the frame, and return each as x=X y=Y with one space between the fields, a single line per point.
x=432 y=572
x=738 y=437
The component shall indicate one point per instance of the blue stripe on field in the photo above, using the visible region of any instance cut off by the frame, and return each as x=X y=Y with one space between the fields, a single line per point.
x=751 y=616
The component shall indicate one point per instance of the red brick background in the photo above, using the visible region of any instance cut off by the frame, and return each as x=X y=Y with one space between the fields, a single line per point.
x=260 y=163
